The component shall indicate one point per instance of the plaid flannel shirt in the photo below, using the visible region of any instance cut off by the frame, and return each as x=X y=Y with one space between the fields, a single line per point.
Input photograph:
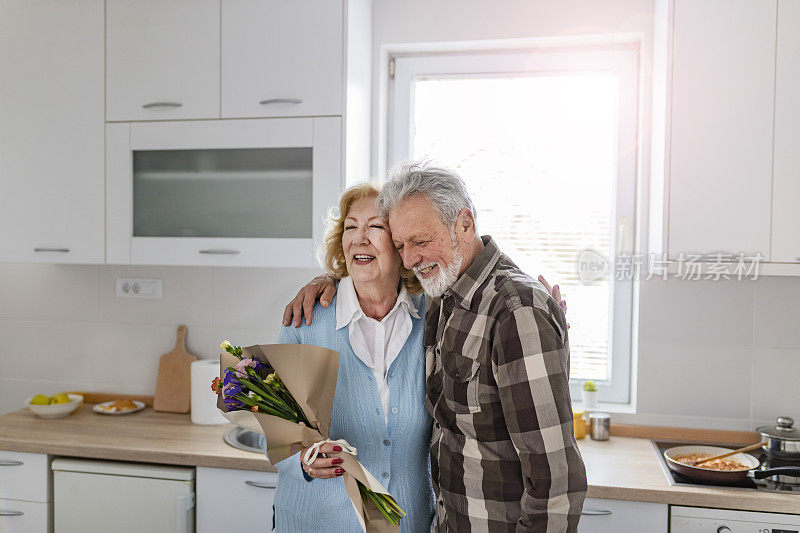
x=503 y=452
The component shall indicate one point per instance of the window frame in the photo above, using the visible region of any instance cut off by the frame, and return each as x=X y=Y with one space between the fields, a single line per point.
x=620 y=59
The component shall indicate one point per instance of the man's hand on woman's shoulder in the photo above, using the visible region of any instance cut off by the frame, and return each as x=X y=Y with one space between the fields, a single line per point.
x=322 y=287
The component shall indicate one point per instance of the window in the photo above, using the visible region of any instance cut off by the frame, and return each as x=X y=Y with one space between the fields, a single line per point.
x=546 y=142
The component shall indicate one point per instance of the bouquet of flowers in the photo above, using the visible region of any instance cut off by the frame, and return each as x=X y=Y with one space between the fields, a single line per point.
x=250 y=388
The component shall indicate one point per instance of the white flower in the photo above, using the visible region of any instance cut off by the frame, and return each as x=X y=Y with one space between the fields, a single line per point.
x=225 y=345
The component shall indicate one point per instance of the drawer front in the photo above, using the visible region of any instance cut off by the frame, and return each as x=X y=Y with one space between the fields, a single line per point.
x=23 y=517
x=614 y=516
x=254 y=493
x=24 y=476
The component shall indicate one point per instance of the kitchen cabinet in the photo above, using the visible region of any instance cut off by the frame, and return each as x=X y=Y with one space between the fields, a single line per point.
x=786 y=177
x=612 y=516
x=221 y=193
x=253 y=493
x=162 y=59
x=24 y=492
x=282 y=58
x=721 y=119
x=51 y=131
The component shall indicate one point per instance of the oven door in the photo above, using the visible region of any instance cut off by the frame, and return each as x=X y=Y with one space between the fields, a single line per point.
x=220 y=192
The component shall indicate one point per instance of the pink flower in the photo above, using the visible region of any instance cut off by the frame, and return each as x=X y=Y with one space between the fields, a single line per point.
x=240 y=367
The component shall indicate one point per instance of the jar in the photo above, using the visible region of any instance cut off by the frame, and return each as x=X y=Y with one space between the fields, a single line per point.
x=579 y=423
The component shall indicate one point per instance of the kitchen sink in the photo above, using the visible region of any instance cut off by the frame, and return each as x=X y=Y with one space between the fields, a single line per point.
x=243 y=439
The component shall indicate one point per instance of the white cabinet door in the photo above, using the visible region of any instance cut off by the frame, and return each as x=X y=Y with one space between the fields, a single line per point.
x=51 y=131
x=162 y=59
x=786 y=184
x=24 y=476
x=282 y=58
x=23 y=517
x=720 y=182
x=253 y=493
x=613 y=516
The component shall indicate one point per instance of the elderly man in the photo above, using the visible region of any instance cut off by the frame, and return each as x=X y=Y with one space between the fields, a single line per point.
x=503 y=454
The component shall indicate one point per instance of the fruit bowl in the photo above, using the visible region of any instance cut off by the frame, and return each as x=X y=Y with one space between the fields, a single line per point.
x=55 y=410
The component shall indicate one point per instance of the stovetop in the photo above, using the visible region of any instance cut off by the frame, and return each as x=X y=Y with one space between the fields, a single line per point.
x=768 y=485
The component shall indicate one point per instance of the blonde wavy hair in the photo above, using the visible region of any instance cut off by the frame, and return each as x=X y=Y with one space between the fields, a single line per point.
x=332 y=253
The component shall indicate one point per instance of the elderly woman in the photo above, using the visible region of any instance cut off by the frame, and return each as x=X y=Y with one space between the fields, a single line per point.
x=376 y=325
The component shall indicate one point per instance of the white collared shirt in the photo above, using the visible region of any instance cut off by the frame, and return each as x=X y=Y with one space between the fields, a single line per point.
x=376 y=343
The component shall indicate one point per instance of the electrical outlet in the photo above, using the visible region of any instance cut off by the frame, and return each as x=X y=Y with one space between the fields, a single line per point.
x=140 y=288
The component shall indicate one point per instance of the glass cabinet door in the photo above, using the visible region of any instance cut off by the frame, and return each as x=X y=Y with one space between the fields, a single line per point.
x=251 y=192
x=247 y=192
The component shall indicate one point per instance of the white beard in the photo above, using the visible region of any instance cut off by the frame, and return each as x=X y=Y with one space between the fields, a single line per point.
x=447 y=276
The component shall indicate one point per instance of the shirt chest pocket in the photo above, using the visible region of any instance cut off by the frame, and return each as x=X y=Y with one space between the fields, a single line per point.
x=460 y=381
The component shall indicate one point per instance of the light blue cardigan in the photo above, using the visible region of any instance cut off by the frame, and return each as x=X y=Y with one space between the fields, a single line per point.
x=397 y=454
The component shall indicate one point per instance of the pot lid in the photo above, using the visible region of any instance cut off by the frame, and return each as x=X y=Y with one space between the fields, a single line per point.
x=782 y=430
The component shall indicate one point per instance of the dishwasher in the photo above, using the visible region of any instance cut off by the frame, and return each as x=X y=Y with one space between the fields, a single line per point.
x=91 y=495
x=704 y=520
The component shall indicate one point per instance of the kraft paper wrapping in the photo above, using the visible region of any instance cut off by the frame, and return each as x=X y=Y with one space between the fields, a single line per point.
x=310 y=374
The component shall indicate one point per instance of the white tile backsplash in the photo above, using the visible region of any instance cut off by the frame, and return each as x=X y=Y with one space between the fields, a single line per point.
x=43 y=291
x=695 y=380
x=777 y=373
x=186 y=298
x=717 y=313
x=777 y=313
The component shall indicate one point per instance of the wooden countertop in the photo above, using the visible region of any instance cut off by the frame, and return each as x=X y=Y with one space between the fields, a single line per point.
x=146 y=436
x=625 y=468
x=622 y=468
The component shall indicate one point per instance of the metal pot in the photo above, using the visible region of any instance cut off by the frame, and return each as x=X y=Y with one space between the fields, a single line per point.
x=783 y=440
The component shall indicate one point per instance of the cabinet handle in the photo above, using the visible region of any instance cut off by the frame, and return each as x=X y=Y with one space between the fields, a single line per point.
x=11 y=463
x=162 y=104
x=261 y=485
x=220 y=252
x=281 y=101
x=596 y=512
x=11 y=513
x=60 y=250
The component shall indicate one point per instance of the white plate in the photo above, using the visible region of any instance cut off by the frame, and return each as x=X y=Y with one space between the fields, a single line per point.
x=98 y=408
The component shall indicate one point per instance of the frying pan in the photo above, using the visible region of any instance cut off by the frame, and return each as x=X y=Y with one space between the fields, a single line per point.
x=722 y=476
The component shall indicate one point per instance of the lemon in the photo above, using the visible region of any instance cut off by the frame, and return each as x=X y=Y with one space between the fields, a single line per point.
x=40 y=399
x=60 y=398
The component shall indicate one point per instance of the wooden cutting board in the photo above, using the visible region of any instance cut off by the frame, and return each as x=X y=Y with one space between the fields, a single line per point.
x=173 y=382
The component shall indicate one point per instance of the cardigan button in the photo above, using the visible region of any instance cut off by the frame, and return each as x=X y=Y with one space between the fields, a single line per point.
x=387 y=442
x=394 y=410
x=385 y=475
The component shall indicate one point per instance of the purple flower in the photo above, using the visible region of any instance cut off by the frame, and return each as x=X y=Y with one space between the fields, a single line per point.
x=233 y=404
x=230 y=388
x=230 y=385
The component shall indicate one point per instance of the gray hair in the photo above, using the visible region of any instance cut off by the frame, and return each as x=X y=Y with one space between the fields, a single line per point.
x=443 y=187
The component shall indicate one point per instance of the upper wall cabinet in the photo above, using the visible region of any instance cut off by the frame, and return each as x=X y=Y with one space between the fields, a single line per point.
x=162 y=59
x=786 y=178
x=51 y=131
x=282 y=58
x=720 y=144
